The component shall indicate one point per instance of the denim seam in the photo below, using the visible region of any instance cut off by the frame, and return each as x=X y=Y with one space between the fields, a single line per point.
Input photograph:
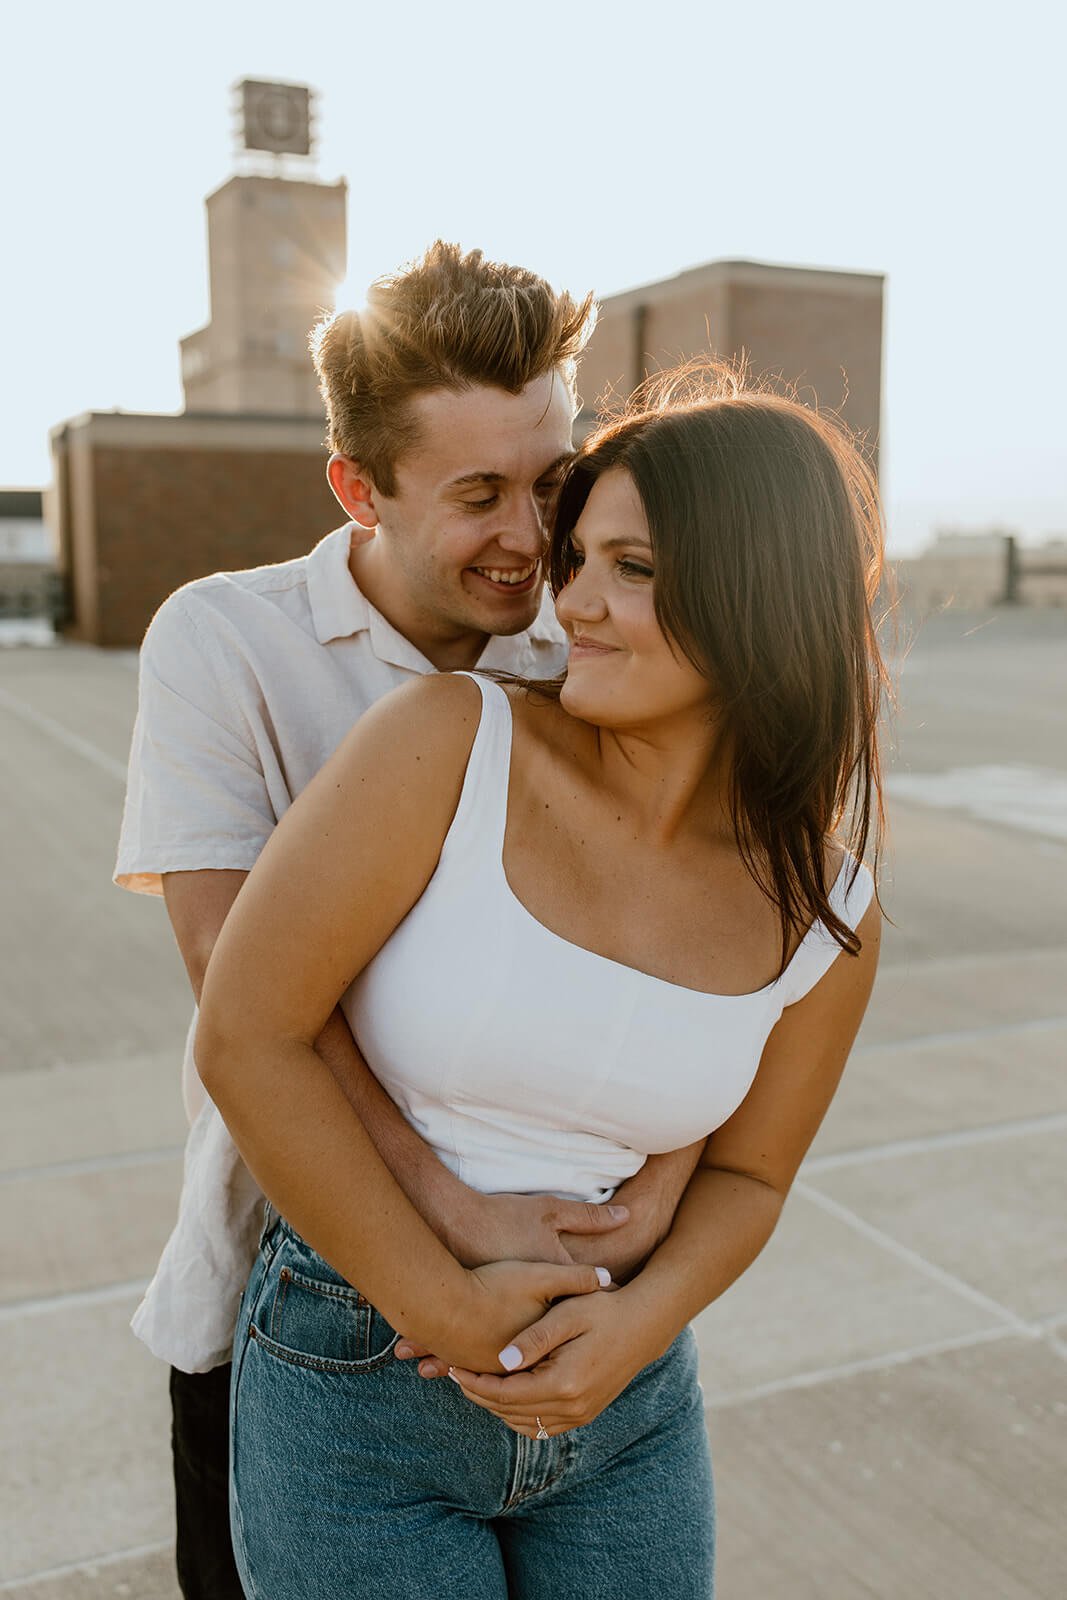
x=519 y=1496
x=296 y=1358
x=278 y=1303
x=238 y=1373
x=331 y=1291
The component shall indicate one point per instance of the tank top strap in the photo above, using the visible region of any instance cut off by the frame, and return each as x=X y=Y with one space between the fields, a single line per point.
x=480 y=819
x=850 y=896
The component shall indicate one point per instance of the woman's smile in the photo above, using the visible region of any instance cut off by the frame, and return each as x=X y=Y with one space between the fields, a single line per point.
x=585 y=648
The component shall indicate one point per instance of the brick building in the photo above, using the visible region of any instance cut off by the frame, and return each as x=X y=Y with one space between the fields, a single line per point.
x=143 y=503
x=818 y=329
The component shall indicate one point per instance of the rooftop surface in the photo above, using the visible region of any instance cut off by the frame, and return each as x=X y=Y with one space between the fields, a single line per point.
x=886 y=1387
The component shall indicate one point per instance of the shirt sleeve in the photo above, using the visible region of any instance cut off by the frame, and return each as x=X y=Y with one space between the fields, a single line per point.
x=196 y=795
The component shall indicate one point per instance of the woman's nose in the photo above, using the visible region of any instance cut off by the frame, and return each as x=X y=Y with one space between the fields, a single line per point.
x=580 y=600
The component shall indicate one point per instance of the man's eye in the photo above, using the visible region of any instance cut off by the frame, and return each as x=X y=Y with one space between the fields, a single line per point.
x=481 y=505
x=545 y=491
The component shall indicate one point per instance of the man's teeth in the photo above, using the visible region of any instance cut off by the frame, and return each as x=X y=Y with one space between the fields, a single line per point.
x=511 y=575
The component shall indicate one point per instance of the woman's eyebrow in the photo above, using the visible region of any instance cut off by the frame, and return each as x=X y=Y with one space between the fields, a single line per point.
x=621 y=542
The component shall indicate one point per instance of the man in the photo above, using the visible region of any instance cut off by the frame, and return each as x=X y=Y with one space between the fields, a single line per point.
x=450 y=402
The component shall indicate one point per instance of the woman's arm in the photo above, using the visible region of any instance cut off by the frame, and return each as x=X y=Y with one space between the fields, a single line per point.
x=337 y=876
x=587 y=1352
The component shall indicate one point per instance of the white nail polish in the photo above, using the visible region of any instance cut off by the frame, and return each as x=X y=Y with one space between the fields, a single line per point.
x=603 y=1277
x=510 y=1357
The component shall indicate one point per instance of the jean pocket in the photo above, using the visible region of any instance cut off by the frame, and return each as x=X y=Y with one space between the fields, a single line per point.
x=312 y=1318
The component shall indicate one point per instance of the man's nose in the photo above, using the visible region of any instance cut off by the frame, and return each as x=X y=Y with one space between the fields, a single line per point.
x=525 y=532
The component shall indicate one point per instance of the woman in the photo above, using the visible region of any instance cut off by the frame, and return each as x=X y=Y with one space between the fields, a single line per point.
x=569 y=925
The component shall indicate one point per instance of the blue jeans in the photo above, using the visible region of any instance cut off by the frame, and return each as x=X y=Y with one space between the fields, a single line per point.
x=353 y=1476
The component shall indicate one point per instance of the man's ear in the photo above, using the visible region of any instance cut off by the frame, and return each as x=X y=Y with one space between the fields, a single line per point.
x=353 y=489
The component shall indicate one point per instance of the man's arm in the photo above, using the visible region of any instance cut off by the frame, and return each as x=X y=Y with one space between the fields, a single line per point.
x=476 y=1228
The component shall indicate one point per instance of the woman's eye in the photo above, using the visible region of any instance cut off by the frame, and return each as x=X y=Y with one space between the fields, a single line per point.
x=634 y=569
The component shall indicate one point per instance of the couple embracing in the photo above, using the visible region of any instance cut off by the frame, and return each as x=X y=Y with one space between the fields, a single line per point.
x=556 y=942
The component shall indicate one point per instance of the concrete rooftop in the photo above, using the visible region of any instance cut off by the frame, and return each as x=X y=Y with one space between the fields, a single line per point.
x=886 y=1388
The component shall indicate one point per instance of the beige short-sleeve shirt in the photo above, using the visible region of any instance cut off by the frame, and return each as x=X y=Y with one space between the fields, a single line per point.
x=248 y=683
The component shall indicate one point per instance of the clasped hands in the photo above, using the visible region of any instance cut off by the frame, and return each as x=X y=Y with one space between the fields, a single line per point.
x=565 y=1366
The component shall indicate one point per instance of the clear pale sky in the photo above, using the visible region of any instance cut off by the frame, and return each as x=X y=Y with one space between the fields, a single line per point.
x=603 y=145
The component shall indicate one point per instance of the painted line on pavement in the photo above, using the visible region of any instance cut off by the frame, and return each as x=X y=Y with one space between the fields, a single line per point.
x=90 y=1565
x=55 y=730
x=76 y=1299
x=912 y=1258
x=960 y=1139
x=94 y=1164
x=726 y=1399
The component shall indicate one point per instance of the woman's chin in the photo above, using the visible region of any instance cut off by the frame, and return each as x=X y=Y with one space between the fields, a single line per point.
x=583 y=705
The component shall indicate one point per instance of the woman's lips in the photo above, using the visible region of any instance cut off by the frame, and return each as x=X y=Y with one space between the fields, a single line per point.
x=581 y=646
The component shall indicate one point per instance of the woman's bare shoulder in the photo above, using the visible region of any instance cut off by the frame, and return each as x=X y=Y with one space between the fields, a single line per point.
x=433 y=718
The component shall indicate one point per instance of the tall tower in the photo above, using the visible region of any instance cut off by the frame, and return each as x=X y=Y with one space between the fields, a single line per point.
x=276 y=248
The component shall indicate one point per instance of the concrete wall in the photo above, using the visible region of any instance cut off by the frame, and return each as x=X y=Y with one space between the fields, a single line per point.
x=146 y=503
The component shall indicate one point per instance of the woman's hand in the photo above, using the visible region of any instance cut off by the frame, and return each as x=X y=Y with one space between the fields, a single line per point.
x=504 y=1298
x=583 y=1353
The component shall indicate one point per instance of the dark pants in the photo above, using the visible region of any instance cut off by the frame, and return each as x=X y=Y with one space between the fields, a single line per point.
x=200 y=1438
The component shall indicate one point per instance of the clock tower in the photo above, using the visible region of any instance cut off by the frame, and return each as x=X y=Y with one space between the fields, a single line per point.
x=276 y=250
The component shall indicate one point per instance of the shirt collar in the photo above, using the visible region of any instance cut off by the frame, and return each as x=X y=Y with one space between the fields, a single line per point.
x=339 y=609
x=338 y=606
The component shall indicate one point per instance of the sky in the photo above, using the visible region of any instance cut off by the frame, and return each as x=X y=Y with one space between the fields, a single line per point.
x=602 y=145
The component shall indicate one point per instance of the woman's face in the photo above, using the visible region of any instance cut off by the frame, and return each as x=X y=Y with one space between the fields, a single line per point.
x=623 y=671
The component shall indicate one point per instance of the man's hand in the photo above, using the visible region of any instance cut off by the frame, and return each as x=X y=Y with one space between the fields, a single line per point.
x=525 y=1227
x=651 y=1196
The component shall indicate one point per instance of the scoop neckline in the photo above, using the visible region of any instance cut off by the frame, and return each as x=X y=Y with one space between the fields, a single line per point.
x=684 y=988
x=595 y=955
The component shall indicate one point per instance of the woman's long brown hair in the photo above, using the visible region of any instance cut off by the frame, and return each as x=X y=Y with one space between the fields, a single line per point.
x=767 y=542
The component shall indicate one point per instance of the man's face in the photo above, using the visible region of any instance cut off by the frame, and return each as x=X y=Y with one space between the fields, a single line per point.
x=464 y=531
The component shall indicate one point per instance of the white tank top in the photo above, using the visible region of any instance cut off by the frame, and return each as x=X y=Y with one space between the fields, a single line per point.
x=530 y=1064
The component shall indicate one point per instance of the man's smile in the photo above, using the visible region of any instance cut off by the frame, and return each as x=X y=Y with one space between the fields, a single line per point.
x=517 y=580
